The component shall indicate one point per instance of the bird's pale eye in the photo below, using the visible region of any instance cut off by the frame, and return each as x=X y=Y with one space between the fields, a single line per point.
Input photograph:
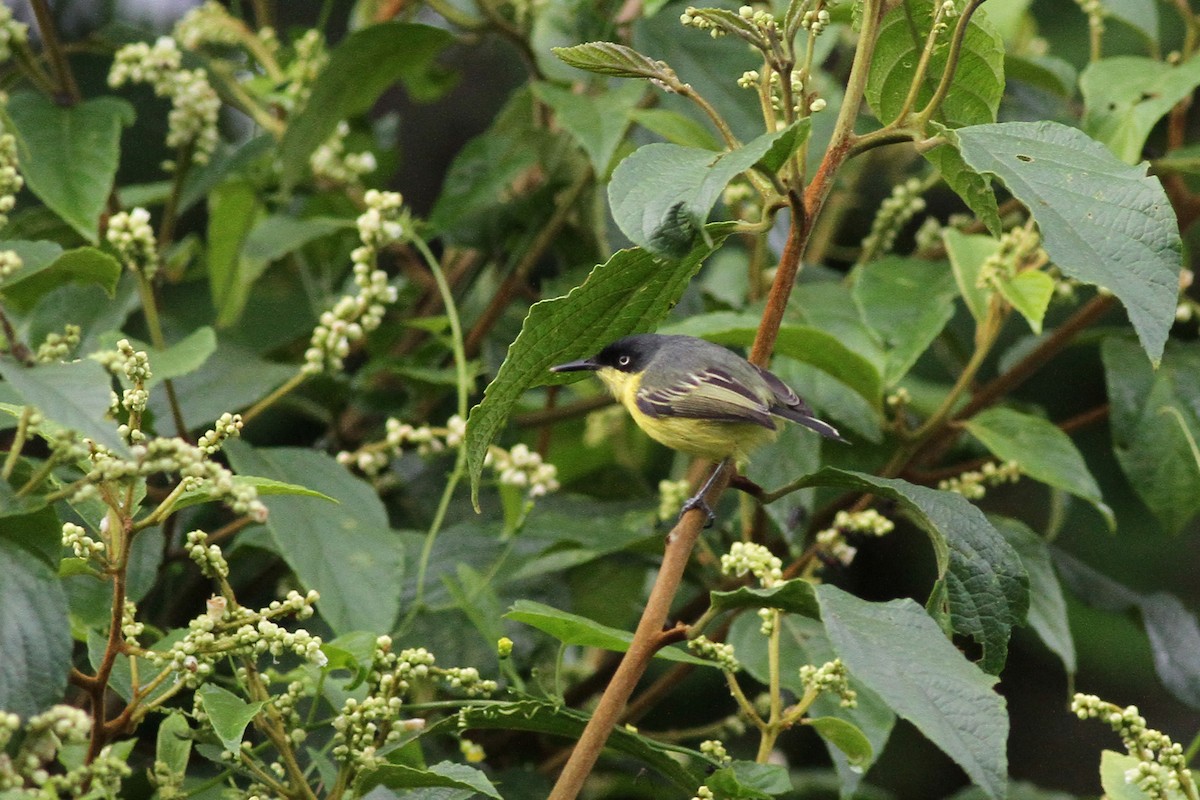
x=623 y=361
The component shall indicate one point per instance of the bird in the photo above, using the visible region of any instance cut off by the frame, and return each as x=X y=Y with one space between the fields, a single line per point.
x=697 y=397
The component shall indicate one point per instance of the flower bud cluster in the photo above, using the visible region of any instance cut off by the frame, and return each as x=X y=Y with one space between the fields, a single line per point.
x=330 y=162
x=833 y=539
x=353 y=316
x=1016 y=248
x=10 y=262
x=11 y=32
x=365 y=725
x=34 y=770
x=130 y=234
x=715 y=749
x=894 y=212
x=11 y=181
x=309 y=58
x=523 y=468
x=207 y=556
x=973 y=484
x=829 y=677
x=1162 y=764
x=704 y=793
x=693 y=18
x=209 y=24
x=720 y=652
x=173 y=455
x=755 y=559
x=192 y=121
x=227 y=426
x=815 y=21
x=57 y=346
x=240 y=632
x=671 y=497
x=472 y=752
x=83 y=546
x=1185 y=311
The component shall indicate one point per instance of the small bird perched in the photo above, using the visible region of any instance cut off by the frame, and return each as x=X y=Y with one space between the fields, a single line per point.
x=697 y=397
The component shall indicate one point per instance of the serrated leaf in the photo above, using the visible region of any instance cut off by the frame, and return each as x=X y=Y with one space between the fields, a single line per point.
x=946 y=697
x=629 y=293
x=1044 y=452
x=69 y=154
x=967 y=252
x=360 y=68
x=597 y=123
x=1125 y=97
x=1151 y=447
x=1102 y=222
x=978 y=83
x=800 y=342
x=791 y=597
x=609 y=58
x=1047 y=607
x=74 y=395
x=1171 y=628
x=83 y=265
x=34 y=627
x=974 y=189
x=845 y=736
x=345 y=551
x=661 y=194
x=228 y=714
x=573 y=629
x=906 y=302
x=986 y=586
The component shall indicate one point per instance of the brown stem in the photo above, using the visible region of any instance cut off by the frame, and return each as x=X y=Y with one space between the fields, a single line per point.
x=115 y=644
x=67 y=89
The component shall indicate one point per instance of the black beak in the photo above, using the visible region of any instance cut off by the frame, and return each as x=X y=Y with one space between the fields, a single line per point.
x=577 y=366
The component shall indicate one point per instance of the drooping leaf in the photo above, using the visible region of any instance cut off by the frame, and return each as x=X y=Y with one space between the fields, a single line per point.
x=629 y=293
x=609 y=58
x=345 y=551
x=576 y=630
x=906 y=302
x=661 y=194
x=360 y=68
x=1047 y=608
x=34 y=627
x=597 y=123
x=1147 y=409
x=1102 y=221
x=69 y=154
x=83 y=265
x=1125 y=96
x=946 y=697
x=1044 y=452
x=845 y=736
x=444 y=775
x=791 y=597
x=228 y=714
x=986 y=587
x=74 y=395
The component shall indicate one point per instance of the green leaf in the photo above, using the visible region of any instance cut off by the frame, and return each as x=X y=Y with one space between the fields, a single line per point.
x=1151 y=447
x=83 y=265
x=233 y=210
x=573 y=629
x=906 y=303
x=681 y=766
x=845 y=736
x=807 y=344
x=967 y=252
x=174 y=743
x=69 y=154
x=676 y=128
x=629 y=293
x=184 y=357
x=608 y=58
x=946 y=697
x=978 y=83
x=986 y=585
x=746 y=779
x=661 y=194
x=74 y=395
x=225 y=161
x=1124 y=98
x=1029 y=292
x=360 y=68
x=599 y=122
x=228 y=714
x=345 y=551
x=444 y=775
x=277 y=235
x=1114 y=767
x=1044 y=452
x=36 y=655
x=1141 y=15
x=35 y=257
x=1102 y=222
x=1047 y=607
x=264 y=486
x=974 y=189
x=1171 y=628
x=791 y=597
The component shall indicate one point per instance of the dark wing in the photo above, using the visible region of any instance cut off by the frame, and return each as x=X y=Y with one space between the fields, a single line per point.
x=789 y=405
x=711 y=394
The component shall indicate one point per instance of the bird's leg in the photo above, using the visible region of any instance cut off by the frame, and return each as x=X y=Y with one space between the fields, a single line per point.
x=697 y=500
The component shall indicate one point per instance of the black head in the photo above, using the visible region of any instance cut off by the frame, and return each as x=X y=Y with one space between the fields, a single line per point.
x=630 y=354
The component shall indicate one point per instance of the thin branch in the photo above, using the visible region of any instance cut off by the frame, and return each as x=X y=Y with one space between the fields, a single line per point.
x=67 y=90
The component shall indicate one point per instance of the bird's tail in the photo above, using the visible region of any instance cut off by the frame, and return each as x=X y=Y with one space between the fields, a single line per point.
x=805 y=417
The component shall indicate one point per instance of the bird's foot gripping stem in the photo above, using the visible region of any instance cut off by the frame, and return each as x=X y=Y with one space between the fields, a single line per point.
x=698 y=501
